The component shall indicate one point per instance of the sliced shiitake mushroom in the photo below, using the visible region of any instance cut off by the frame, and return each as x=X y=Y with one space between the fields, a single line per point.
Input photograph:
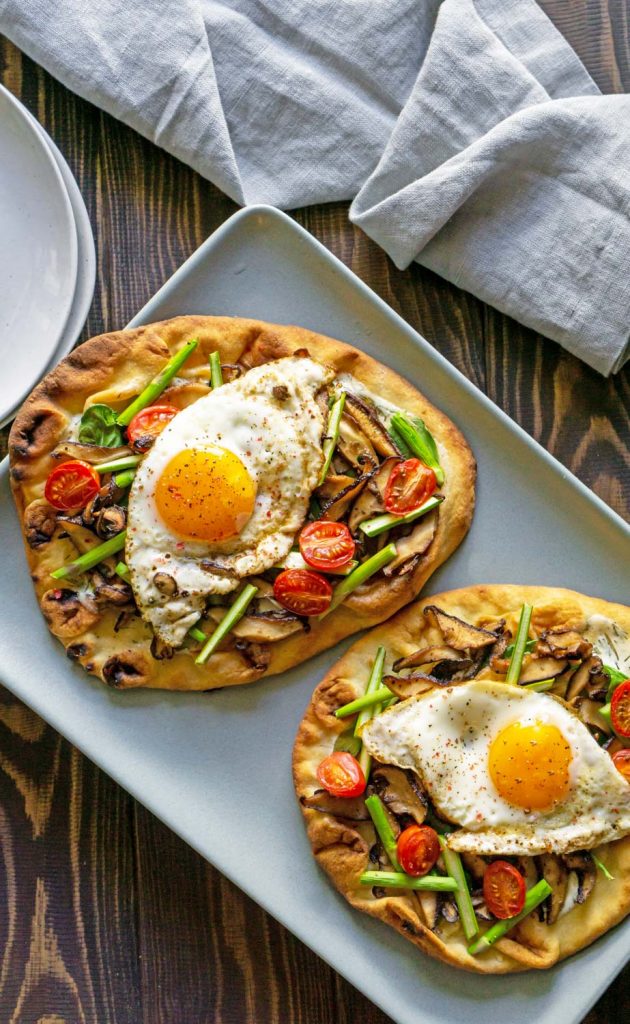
x=335 y=508
x=410 y=549
x=480 y=908
x=92 y=453
x=166 y=584
x=430 y=906
x=400 y=791
x=497 y=660
x=535 y=670
x=410 y=686
x=110 y=521
x=371 y=502
x=256 y=655
x=355 y=447
x=587 y=676
x=581 y=862
x=475 y=864
x=112 y=590
x=588 y=712
x=457 y=633
x=427 y=656
x=333 y=485
x=562 y=643
x=262 y=627
x=40 y=522
x=160 y=650
x=369 y=423
x=555 y=873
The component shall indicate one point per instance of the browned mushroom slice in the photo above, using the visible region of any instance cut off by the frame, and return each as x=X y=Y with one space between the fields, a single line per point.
x=563 y=643
x=333 y=485
x=588 y=712
x=555 y=873
x=457 y=633
x=110 y=521
x=351 y=808
x=581 y=862
x=537 y=669
x=264 y=627
x=480 y=908
x=268 y=627
x=410 y=686
x=40 y=522
x=430 y=906
x=160 y=650
x=370 y=502
x=111 y=591
x=355 y=446
x=92 y=453
x=368 y=422
x=337 y=507
x=427 y=656
x=256 y=655
x=410 y=549
x=400 y=791
x=497 y=660
x=589 y=676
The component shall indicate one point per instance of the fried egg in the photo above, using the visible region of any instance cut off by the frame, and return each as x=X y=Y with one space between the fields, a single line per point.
x=516 y=770
x=223 y=491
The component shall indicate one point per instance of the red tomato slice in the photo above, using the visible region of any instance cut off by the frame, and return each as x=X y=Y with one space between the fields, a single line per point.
x=326 y=545
x=149 y=423
x=71 y=485
x=503 y=889
x=621 y=761
x=418 y=848
x=302 y=591
x=341 y=774
x=410 y=484
x=620 y=709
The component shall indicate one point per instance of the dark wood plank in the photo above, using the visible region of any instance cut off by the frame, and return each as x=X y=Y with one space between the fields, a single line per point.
x=109 y=918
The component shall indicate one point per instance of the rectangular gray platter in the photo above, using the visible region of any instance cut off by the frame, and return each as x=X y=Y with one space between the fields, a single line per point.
x=205 y=763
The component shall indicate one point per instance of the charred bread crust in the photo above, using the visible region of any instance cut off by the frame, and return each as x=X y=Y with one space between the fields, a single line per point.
x=342 y=851
x=112 y=369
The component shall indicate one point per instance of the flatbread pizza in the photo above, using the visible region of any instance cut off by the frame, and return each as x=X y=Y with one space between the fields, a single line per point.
x=464 y=774
x=209 y=500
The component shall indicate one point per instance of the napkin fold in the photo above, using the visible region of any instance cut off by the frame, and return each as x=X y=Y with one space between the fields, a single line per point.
x=468 y=133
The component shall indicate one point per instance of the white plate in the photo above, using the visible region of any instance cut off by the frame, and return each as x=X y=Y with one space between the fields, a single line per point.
x=86 y=258
x=38 y=254
x=206 y=763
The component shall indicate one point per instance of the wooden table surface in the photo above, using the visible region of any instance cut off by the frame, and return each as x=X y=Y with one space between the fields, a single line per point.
x=105 y=916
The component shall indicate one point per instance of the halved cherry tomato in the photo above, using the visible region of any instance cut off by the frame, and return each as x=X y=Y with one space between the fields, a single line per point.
x=341 y=774
x=418 y=848
x=302 y=591
x=503 y=889
x=71 y=485
x=148 y=423
x=326 y=545
x=620 y=709
x=410 y=484
x=621 y=761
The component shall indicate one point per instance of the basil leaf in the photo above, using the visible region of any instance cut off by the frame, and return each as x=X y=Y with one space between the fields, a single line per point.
x=98 y=426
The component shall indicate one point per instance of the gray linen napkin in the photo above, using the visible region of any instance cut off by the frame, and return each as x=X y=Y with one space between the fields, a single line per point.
x=468 y=132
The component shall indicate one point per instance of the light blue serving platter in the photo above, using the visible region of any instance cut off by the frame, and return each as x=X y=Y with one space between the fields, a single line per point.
x=205 y=762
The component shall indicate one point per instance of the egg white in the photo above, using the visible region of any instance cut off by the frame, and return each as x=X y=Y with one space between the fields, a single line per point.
x=445 y=737
x=278 y=439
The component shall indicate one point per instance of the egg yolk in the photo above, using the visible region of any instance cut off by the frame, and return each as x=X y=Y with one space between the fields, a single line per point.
x=529 y=765
x=205 y=494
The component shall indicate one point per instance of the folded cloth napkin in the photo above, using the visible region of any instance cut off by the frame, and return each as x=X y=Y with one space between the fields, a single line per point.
x=468 y=133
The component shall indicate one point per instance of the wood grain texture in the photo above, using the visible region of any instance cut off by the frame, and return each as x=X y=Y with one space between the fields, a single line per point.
x=107 y=917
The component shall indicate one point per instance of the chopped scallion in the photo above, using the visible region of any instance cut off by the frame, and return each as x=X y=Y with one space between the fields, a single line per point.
x=92 y=557
x=332 y=434
x=385 y=521
x=398 y=880
x=516 y=661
